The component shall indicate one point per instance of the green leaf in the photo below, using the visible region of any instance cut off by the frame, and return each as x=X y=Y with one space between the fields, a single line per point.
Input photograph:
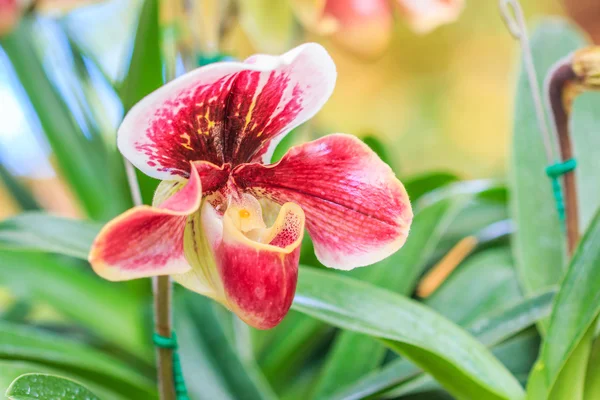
x=453 y=357
x=21 y=195
x=496 y=287
x=354 y=355
x=24 y=343
x=212 y=368
x=517 y=353
x=145 y=74
x=539 y=242
x=80 y=162
x=11 y=370
x=145 y=68
x=38 y=231
x=290 y=345
x=592 y=379
x=575 y=311
x=106 y=309
x=490 y=330
x=423 y=184
x=43 y=386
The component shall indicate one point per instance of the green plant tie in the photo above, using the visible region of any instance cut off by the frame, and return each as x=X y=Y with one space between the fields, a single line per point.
x=171 y=343
x=205 y=59
x=554 y=172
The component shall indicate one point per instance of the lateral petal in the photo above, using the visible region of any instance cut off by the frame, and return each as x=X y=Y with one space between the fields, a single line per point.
x=226 y=112
x=147 y=241
x=357 y=211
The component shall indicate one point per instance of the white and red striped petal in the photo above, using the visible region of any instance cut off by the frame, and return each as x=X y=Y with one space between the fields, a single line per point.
x=148 y=241
x=230 y=112
x=426 y=15
x=357 y=212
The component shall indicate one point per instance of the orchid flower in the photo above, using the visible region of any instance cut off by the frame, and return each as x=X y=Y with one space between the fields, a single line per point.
x=365 y=26
x=224 y=222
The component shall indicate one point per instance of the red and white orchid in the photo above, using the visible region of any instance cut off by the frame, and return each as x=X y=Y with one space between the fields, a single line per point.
x=224 y=223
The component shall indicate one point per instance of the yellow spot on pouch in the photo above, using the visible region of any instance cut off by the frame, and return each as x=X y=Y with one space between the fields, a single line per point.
x=244 y=213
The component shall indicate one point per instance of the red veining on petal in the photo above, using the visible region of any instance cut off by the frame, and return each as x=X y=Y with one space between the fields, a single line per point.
x=145 y=240
x=189 y=128
x=213 y=177
x=261 y=106
x=353 y=202
x=227 y=121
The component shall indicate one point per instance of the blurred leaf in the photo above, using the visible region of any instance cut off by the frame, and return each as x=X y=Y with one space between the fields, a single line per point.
x=145 y=74
x=268 y=24
x=539 y=242
x=11 y=370
x=36 y=386
x=82 y=164
x=289 y=346
x=592 y=379
x=456 y=360
x=210 y=363
x=145 y=68
x=43 y=232
x=21 y=195
x=107 y=310
x=353 y=355
x=490 y=330
x=575 y=311
x=27 y=344
x=422 y=184
x=463 y=302
x=17 y=311
x=378 y=147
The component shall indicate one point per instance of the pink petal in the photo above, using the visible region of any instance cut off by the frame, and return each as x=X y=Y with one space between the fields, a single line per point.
x=426 y=15
x=357 y=212
x=147 y=241
x=226 y=112
x=361 y=26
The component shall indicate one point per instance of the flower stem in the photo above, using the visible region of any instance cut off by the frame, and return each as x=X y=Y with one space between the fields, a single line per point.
x=161 y=287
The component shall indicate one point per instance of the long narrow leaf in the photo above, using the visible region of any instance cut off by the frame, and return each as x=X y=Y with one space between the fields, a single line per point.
x=489 y=330
x=576 y=309
x=110 y=312
x=460 y=363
